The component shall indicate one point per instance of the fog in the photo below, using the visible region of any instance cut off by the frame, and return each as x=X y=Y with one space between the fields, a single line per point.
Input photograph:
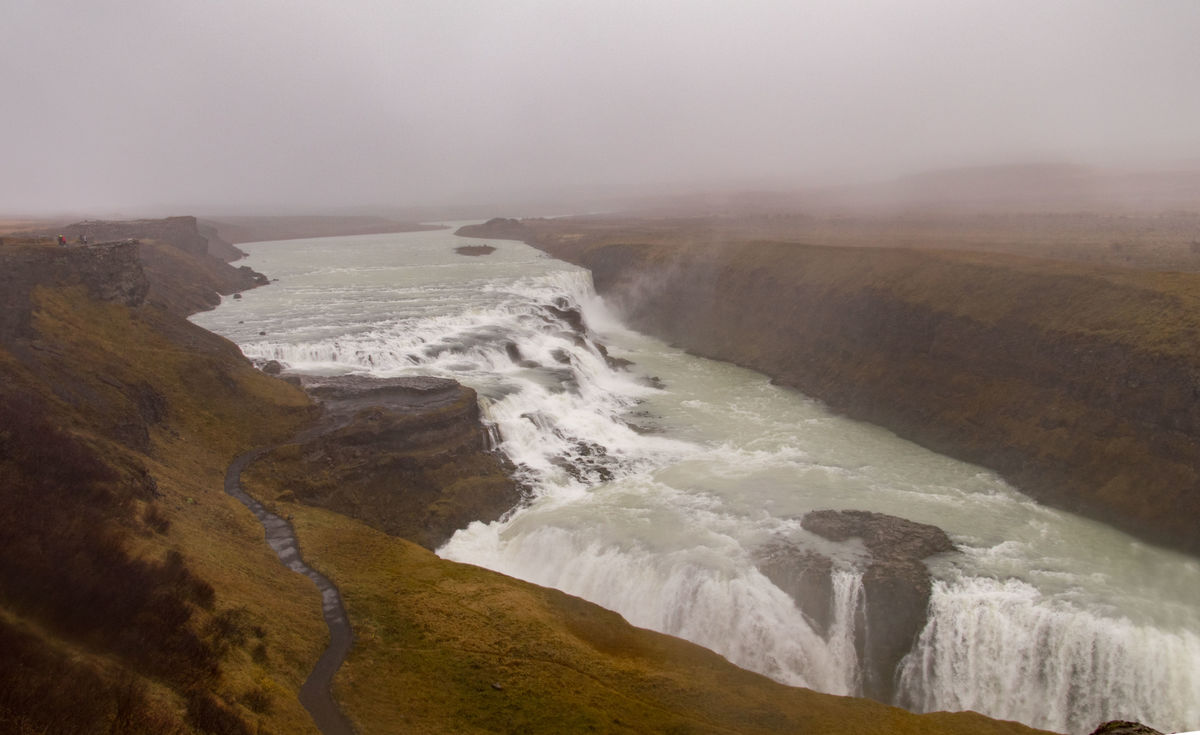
x=142 y=106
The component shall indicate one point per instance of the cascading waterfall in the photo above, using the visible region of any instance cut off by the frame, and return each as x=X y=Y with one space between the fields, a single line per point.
x=846 y=606
x=993 y=646
x=655 y=501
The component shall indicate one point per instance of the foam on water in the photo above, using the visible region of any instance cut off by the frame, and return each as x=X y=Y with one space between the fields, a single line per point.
x=653 y=501
x=1002 y=648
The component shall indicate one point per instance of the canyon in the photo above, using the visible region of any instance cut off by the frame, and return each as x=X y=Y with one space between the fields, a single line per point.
x=1076 y=381
x=108 y=390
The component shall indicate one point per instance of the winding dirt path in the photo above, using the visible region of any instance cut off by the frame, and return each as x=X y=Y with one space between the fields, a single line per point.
x=315 y=694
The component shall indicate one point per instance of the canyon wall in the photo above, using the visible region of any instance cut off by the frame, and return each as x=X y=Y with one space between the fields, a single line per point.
x=408 y=456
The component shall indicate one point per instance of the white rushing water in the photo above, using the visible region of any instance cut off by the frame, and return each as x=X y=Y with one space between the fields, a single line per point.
x=655 y=499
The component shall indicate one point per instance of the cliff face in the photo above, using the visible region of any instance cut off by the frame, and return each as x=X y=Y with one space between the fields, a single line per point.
x=109 y=272
x=182 y=232
x=187 y=263
x=1077 y=383
x=408 y=456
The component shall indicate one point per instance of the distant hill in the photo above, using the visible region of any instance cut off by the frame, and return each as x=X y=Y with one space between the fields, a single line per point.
x=1032 y=188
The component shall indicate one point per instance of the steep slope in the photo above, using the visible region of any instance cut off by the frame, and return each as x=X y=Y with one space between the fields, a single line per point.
x=187 y=262
x=134 y=595
x=448 y=648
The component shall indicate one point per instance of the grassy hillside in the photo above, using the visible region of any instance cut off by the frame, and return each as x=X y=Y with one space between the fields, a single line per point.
x=443 y=647
x=134 y=595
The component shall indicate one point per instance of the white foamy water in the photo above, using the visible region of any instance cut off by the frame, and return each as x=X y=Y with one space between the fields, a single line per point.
x=654 y=499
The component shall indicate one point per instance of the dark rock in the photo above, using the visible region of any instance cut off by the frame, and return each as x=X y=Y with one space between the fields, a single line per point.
x=514 y=353
x=569 y=314
x=409 y=456
x=272 y=367
x=805 y=575
x=1124 y=727
x=614 y=363
x=237 y=296
x=475 y=250
x=885 y=536
x=896 y=585
x=258 y=279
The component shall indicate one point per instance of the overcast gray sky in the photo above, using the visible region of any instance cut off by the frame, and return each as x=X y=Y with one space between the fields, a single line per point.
x=296 y=104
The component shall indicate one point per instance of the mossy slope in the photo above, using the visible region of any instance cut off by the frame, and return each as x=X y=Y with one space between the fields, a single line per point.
x=443 y=647
x=134 y=595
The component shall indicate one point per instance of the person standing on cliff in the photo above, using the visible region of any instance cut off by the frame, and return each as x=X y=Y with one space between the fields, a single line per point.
x=62 y=241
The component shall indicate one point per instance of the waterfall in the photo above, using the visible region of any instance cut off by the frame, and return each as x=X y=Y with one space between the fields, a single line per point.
x=652 y=498
x=997 y=648
x=707 y=594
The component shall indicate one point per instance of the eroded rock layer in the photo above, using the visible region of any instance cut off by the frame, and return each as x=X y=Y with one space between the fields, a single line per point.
x=408 y=456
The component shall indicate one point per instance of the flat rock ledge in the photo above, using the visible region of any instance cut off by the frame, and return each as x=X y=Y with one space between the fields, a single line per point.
x=409 y=456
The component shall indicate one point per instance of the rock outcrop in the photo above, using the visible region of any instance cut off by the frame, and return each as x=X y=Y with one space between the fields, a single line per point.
x=475 y=250
x=1077 y=383
x=186 y=262
x=408 y=456
x=806 y=575
x=109 y=272
x=1124 y=727
x=185 y=233
x=896 y=585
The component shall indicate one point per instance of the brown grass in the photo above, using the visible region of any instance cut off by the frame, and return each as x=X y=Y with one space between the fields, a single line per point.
x=450 y=648
x=165 y=556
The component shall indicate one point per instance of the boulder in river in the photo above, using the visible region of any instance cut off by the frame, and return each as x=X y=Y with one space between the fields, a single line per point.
x=896 y=585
